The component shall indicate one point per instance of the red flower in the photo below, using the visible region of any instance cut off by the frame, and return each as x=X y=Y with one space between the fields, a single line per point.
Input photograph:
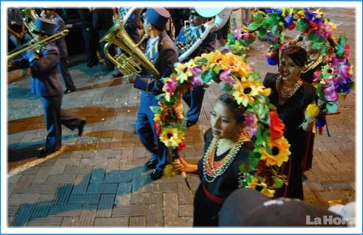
x=181 y=146
x=276 y=126
x=157 y=127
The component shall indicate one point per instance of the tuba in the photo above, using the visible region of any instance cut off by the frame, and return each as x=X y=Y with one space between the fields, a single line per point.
x=221 y=15
x=29 y=19
x=127 y=64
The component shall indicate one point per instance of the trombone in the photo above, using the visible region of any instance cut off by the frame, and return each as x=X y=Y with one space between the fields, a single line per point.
x=33 y=43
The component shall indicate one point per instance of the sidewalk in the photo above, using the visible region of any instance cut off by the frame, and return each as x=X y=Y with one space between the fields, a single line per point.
x=99 y=179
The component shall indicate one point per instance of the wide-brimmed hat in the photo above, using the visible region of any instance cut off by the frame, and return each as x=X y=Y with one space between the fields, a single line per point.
x=248 y=207
x=157 y=17
x=44 y=26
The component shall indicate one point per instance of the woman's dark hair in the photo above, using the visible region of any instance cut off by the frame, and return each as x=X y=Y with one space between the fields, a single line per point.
x=236 y=109
x=296 y=54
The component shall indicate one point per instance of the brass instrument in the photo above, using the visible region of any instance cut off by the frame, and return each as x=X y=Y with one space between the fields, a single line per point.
x=128 y=61
x=29 y=19
x=34 y=44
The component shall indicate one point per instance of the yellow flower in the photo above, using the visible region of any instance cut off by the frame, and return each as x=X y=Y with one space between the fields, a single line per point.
x=280 y=152
x=267 y=192
x=236 y=63
x=327 y=71
x=171 y=137
x=350 y=71
x=245 y=91
x=183 y=71
x=312 y=110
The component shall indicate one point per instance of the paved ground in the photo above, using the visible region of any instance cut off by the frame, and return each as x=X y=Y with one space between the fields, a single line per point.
x=99 y=180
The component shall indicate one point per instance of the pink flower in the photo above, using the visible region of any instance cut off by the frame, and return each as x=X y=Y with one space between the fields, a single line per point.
x=317 y=74
x=250 y=121
x=237 y=34
x=197 y=79
x=329 y=92
x=225 y=76
x=171 y=85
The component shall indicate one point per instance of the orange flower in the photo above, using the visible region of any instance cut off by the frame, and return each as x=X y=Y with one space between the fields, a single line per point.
x=276 y=126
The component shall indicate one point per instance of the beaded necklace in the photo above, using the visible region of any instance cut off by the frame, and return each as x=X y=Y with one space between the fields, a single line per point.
x=283 y=94
x=211 y=169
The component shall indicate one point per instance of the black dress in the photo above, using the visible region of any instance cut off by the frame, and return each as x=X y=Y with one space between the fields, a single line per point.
x=206 y=210
x=292 y=114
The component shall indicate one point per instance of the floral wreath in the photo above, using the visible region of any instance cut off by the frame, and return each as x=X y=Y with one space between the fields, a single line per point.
x=231 y=71
x=334 y=80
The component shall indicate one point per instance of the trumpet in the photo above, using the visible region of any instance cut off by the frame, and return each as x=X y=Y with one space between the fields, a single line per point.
x=34 y=43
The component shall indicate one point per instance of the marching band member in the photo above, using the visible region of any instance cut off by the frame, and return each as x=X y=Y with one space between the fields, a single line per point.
x=45 y=84
x=161 y=51
x=194 y=98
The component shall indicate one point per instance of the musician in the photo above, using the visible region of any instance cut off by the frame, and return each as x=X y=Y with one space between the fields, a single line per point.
x=161 y=51
x=62 y=47
x=45 y=84
x=187 y=36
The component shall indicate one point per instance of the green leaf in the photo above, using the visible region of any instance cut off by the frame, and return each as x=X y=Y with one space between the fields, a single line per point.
x=225 y=86
x=155 y=109
x=245 y=168
x=207 y=76
x=332 y=107
x=278 y=182
x=258 y=18
x=301 y=25
x=253 y=26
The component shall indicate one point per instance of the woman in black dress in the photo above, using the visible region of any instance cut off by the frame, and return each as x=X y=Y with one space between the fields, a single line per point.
x=291 y=95
x=226 y=148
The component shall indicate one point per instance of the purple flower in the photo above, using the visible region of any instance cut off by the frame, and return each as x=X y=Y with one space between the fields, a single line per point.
x=341 y=67
x=250 y=121
x=309 y=15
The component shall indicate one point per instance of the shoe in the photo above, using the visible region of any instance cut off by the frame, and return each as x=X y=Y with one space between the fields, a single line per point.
x=116 y=75
x=43 y=153
x=69 y=90
x=156 y=174
x=81 y=127
x=151 y=164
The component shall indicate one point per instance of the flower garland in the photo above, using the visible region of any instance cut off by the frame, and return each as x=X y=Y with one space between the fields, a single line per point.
x=233 y=74
x=334 y=80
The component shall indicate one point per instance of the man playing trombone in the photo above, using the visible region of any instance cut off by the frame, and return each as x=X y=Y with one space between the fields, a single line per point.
x=43 y=58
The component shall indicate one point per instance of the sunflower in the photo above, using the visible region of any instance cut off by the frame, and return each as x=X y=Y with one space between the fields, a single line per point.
x=171 y=137
x=245 y=91
x=236 y=63
x=183 y=71
x=280 y=152
x=327 y=71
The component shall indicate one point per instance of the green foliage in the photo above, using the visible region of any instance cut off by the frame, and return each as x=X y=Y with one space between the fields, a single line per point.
x=225 y=86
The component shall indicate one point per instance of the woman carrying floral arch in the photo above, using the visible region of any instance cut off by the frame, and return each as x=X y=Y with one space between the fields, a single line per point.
x=226 y=148
x=291 y=95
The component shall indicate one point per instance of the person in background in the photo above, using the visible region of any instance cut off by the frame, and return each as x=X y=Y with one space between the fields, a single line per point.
x=226 y=148
x=90 y=36
x=16 y=28
x=188 y=36
x=45 y=84
x=50 y=13
x=291 y=95
x=161 y=51
x=102 y=22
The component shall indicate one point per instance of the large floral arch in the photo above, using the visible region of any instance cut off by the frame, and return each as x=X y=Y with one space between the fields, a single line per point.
x=228 y=67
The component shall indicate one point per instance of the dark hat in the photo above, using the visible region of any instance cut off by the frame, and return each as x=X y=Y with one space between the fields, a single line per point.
x=248 y=207
x=44 y=26
x=158 y=17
